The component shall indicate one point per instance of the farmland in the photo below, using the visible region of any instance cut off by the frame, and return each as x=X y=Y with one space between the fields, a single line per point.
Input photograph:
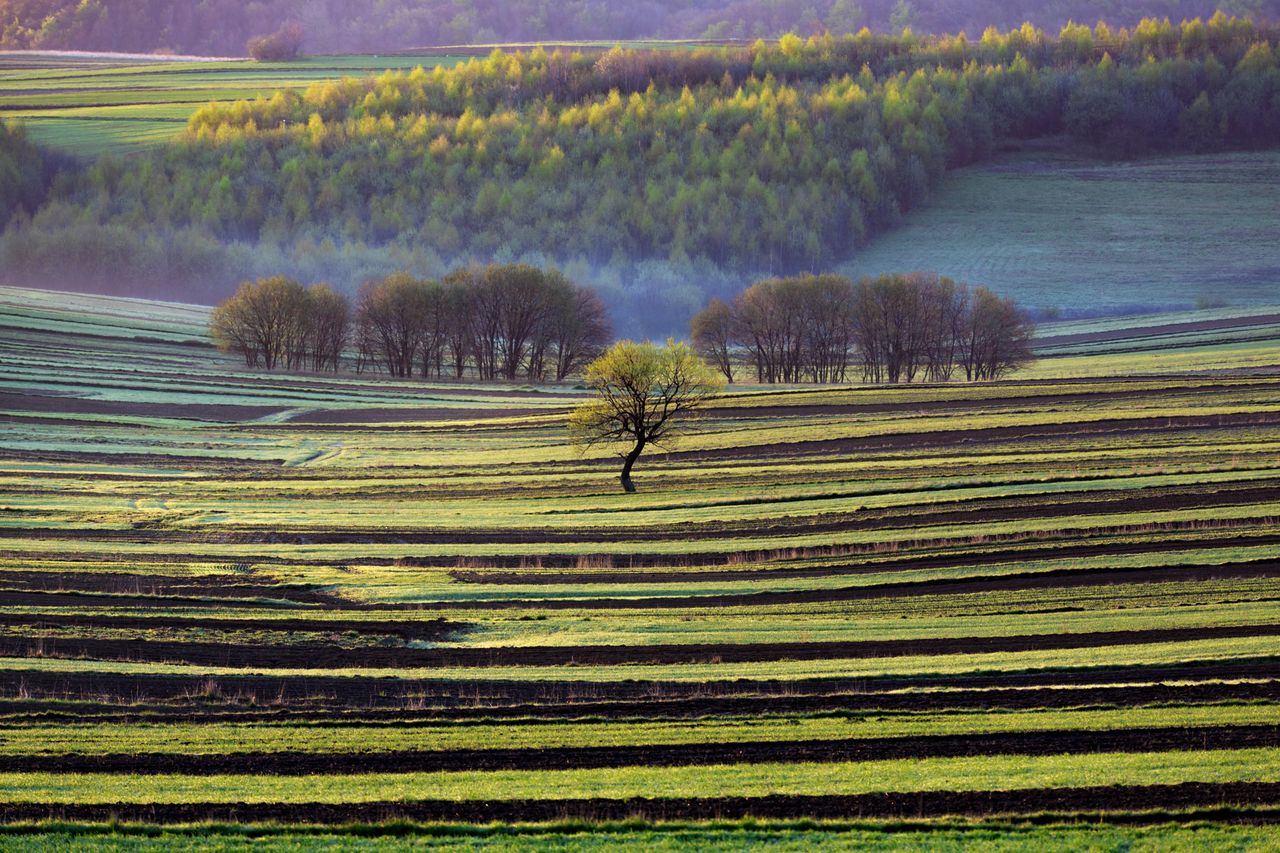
x=325 y=600
x=87 y=106
x=1052 y=227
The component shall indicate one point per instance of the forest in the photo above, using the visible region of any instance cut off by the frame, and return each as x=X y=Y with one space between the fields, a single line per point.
x=225 y=27
x=25 y=171
x=658 y=176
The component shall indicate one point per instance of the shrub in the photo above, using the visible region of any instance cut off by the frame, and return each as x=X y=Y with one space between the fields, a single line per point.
x=282 y=45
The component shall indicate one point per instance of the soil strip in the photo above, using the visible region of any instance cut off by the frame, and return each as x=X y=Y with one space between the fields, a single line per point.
x=671 y=755
x=1064 y=801
x=317 y=654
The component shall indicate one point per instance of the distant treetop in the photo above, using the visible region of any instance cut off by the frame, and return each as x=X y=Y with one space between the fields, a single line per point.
x=224 y=27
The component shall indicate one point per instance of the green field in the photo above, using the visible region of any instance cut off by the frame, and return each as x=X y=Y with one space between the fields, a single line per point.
x=1054 y=229
x=320 y=601
x=88 y=106
x=786 y=838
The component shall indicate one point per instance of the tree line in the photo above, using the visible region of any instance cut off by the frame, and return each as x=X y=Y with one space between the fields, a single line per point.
x=654 y=169
x=277 y=322
x=895 y=328
x=26 y=171
x=224 y=27
x=492 y=322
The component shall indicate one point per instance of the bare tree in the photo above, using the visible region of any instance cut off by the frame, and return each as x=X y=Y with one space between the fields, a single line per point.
x=330 y=316
x=501 y=321
x=904 y=327
x=524 y=302
x=826 y=308
x=579 y=332
x=433 y=327
x=998 y=339
x=456 y=299
x=713 y=337
x=261 y=321
x=390 y=315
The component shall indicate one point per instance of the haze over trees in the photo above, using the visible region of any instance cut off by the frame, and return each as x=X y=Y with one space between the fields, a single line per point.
x=660 y=177
x=498 y=321
x=644 y=394
x=25 y=173
x=282 y=45
x=223 y=27
x=893 y=328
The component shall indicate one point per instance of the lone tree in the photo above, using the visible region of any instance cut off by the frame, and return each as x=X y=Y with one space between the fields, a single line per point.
x=642 y=392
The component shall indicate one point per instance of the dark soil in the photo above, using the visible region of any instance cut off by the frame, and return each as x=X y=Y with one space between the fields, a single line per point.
x=1054 y=579
x=679 y=755
x=117 y=583
x=426 y=629
x=1088 y=577
x=1066 y=801
x=410 y=413
x=316 y=654
x=983 y=437
x=987 y=510
x=1164 y=329
x=326 y=709
x=996 y=549
x=215 y=412
x=642 y=698
x=1020 y=395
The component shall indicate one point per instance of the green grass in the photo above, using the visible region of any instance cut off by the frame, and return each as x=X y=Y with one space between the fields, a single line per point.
x=1265 y=650
x=1051 y=229
x=718 y=836
x=211 y=738
x=88 y=107
x=983 y=773
x=143 y=477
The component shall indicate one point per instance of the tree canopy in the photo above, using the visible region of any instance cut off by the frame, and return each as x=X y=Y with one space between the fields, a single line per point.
x=224 y=27
x=902 y=327
x=641 y=172
x=643 y=394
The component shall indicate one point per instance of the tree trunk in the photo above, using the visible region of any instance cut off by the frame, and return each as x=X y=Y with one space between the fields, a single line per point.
x=627 y=485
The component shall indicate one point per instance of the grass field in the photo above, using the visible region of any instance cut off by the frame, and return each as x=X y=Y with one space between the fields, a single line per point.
x=88 y=106
x=1054 y=230
x=1034 y=613
x=91 y=104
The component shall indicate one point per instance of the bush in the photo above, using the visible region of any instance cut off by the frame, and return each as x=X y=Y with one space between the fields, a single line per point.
x=282 y=45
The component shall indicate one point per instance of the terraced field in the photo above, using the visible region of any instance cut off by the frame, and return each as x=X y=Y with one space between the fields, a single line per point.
x=1053 y=228
x=88 y=105
x=316 y=599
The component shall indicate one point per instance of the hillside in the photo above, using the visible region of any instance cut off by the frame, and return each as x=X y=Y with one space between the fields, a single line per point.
x=1070 y=234
x=223 y=27
x=659 y=176
x=1047 y=596
x=88 y=105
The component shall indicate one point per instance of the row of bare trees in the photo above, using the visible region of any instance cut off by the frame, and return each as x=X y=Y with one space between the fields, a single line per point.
x=492 y=322
x=499 y=321
x=276 y=322
x=895 y=328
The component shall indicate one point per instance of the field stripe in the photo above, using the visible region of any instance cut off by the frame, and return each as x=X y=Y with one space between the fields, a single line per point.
x=1255 y=802
x=663 y=755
